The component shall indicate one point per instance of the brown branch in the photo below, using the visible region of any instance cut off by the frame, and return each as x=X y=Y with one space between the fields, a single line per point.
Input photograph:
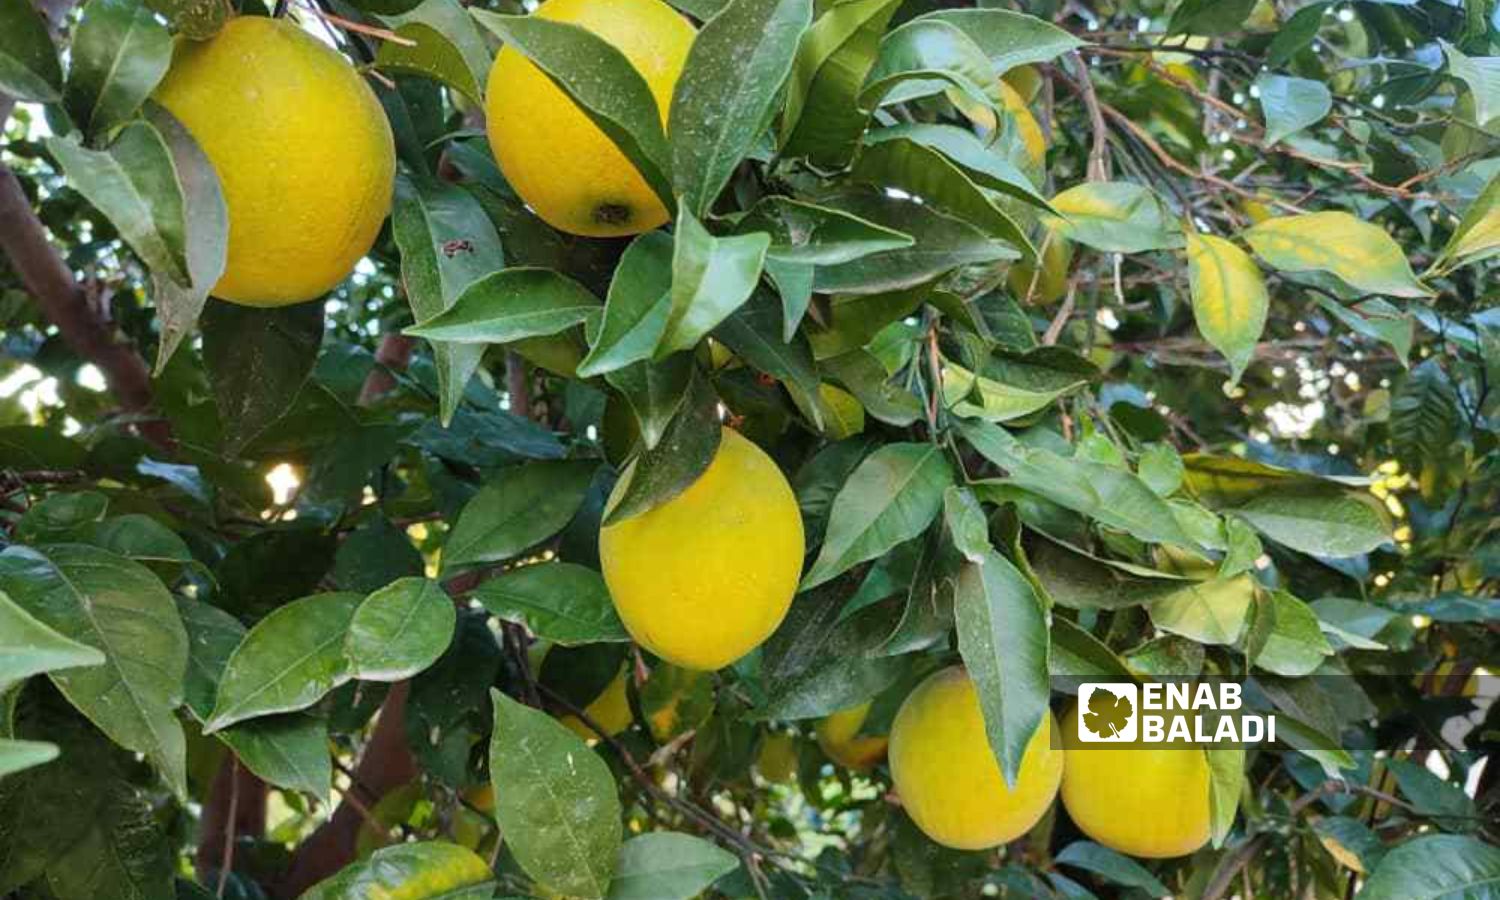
x=1098 y=169
x=385 y=765
x=236 y=806
x=393 y=356
x=81 y=316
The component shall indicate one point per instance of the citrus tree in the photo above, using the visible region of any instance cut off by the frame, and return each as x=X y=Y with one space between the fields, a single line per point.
x=613 y=449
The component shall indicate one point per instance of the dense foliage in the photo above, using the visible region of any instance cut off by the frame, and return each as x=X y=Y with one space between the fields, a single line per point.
x=1172 y=356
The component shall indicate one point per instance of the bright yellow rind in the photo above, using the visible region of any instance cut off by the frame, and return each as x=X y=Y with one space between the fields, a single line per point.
x=302 y=149
x=702 y=579
x=838 y=735
x=561 y=164
x=947 y=776
x=1146 y=801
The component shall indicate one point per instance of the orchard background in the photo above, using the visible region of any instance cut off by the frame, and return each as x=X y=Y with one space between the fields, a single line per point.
x=1173 y=355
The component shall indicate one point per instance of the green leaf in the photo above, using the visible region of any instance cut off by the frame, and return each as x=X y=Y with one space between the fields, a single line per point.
x=1210 y=612
x=206 y=218
x=461 y=36
x=1323 y=523
x=821 y=119
x=1230 y=301
x=373 y=555
x=1477 y=236
x=257 y=360
x=28 y=647
x=1114 y=216
x=1112 y=496
x=122 y=852
x=288 y=661
x=118 y=607
x=1357 y=252
x=1293 y=645
x=754 y=333
x=556 y=801
x=636 y=308
x=1226 y=481
x=1226 y=782
x=1424 y=416
x=967 y=524
x=970 y=395
x=427 y=870
x=1435 y=798
x=447 y=243
x=1376 y=319
x=923 y=172
x=1291 y=104
x=400 y=630
x=1009 y=38
x=1003 y=639
x=1296 y=34
x=134 y=183
x=1160 y=467
x=1350 y=842
x=289 y=751
x=805 y=233
x=510 y=305
x=28 y=62
x=1435 y=867
x=687 y=446
x=815 y=664
x=431 y=55
x=924 y=56
x=602 y=82
x=665 y=865
x=1077 y=656
x=564 y=603
x=941 y=243
x=1077 y=580
x=521 y=507
x=733 y=74
x=654 y=391
x=61 y=517
x=1481 y=75
x=118 y=54
x=16 y=756
x=868 y=381
x=984 y=165
x=1209 y=16
x=711 y=278
x=1116 y=867
x=892 y=496
x=196 y=20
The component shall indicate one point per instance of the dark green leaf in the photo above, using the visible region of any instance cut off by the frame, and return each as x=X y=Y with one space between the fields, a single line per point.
x=1325 y=523
x=1209 y=16
x=118 y=607
x=560 y=602
x=1002 y=636
x=893 y=495
x=510 y=305
x=257 y=360
x=984 y=165
x=28 y=647
x=665 y=865
x=373 y=555
x=433 y=56
x=733 y=73
x=636 y=308
x=804 y=233
x=61 y=517
x=118 y=55
x=28 y=62
x=523 y=506
x=288 y=661
x=654 y=392
x=968 y=527
x=400 y=630
x=1435 y=867
x=1296 y=33
x=1009 y=38
x=1444 y=802
x=686 y=448
x=134 y=183
x=821 y=119
x=555 y=800
x=711 y=278
x=602 y=82
x=447 y=243
x=754 y=332
x=1291 y=104
x=1116 y=867
x=925 y=55
x=1077 y=656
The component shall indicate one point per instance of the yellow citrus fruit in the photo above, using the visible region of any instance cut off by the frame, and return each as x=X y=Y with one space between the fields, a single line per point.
x=302 y=149
x=843 y=415
x=561 y=164
x=610 y=711
x=946 y=773
x=841 y=741
x=702 y=579
x=1143 y=800
x=777 y=760
x=1052 y=283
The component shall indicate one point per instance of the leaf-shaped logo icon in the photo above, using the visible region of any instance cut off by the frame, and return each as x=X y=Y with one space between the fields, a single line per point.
x=1108 y=714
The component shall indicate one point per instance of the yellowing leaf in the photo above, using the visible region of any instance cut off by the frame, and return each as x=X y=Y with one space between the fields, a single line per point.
x=1361 y=254
x=1113 y=216
x=1477 y=237
x=1229 y=297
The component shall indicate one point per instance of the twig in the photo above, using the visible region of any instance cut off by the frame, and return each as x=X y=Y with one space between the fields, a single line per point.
x=384 y=34
x=1055 y=327
x=1098 y=169
x=226 y=859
